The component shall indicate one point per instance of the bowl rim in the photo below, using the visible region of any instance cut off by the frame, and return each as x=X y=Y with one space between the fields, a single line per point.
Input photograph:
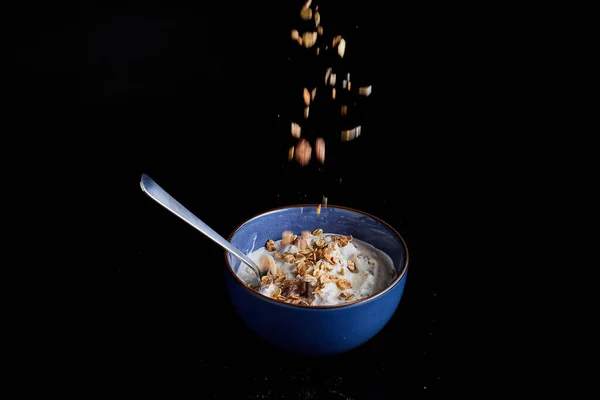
x=372 y=297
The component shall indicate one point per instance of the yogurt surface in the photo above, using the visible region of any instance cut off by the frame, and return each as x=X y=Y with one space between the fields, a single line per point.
x=319 y=269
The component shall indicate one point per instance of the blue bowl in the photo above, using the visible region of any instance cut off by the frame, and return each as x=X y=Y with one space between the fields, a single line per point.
x=316 y=330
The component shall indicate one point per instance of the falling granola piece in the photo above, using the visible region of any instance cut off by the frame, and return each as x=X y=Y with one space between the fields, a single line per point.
x=303 y=152
x=336 y=40
x=350 y=134
x=306 y=110
x=332 y=79
x=324 y=201
x=320 y=150
x=295 y=34
x=333 y=93
x=320 y=29
x=327 y=73
x=291 y=153
x=296 y=129
x=342 y=48
x=270 y=245
x=349 y=85
x=306 y=96
x=317 y=18
x=299 y=40
x=306 y=14
x=344 y=110
x=364 y=90
x=313 y=93
x=319 y=209
x=309 y=38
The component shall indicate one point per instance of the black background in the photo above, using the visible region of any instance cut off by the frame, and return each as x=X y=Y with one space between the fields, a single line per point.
x=200 y=98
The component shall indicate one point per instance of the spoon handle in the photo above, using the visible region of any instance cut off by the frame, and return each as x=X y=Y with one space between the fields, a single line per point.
x=159 y=195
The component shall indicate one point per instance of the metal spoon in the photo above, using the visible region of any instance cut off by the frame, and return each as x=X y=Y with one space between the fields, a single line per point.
x=159 y=195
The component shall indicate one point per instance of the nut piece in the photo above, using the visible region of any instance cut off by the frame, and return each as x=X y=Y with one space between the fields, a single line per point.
x=351 y=266
x=336 y=40
x=267 y=263
x=344 y=284
x=291 y=153
x=302 y=244
x=332 y=80
x=295 y=34
x=266 y=280
x=317 y=18
x=296 y=129
x=270 y=245
x=320 y=154
x=276 y=292
x=364 y=90
x=342 y=48
x=306 y=96
x=324 y=279
x=309 y=38
x=286 y=237
x=289 y=258
x=303 y=152
x=306 y=13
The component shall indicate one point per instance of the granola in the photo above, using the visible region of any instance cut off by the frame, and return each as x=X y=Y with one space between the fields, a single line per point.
x=317 y=268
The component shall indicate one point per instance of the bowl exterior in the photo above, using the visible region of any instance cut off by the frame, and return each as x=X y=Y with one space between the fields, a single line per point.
x=311 y=330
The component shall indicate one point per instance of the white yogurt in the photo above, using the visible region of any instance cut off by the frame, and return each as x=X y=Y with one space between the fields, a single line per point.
x=373 y=270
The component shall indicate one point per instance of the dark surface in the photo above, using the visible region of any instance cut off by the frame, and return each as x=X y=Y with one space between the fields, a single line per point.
x=201 y=100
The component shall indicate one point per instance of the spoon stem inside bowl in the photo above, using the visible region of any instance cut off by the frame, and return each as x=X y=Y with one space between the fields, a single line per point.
x=159 y=195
